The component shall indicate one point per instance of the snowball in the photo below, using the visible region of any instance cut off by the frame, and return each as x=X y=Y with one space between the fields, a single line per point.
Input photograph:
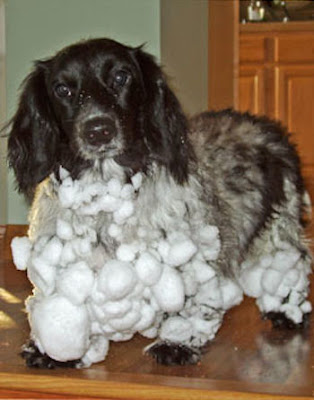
x=285 y=260
x=147 y=318
x=210 y=294
x=117 y=308
x=293 y=312
x=61 y=328
x=127 y=321
x=250 y=281
x=110 y=203
x=148 y=268
x=82 y=247
x=97 y=351
x=163 y=249
x=271 y=280
x=68 y=192
x=306 y=307
x=269 y=303
x=266 y=261
x=208 y=234
x=291 y=278
x=180 y=253
x=52 y=251
x=176 y=329
x=76 y=282
x=169 y=290
x=114 y=187
x=190 y=283
x=137 y=180
x=302 y=283
x=97 y=312
x=114 y=230
x=21 y=250
x=127 y=192
x=209 y=237
x=150 y=333
x=231 y=294
x=206 y=327
x=42 y=275
x=67 y=255
x=116 y=279
x=63 y=173
x=124 y=212
x=64 y=229
x=127 y=252
x=203 y=272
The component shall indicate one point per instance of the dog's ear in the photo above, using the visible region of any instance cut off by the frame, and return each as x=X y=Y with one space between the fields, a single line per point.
x=33 y=132
x=163 y=121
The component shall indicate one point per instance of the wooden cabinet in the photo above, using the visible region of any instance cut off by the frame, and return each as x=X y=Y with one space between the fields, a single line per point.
x=276 y=78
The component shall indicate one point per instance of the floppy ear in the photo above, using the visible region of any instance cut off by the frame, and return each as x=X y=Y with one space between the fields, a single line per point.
x=164 y=123
x=32 y=138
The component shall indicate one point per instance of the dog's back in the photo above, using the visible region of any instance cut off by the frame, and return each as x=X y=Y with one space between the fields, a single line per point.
x=255 y=172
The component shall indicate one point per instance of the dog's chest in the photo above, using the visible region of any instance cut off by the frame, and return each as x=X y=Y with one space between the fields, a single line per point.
x=156 y=210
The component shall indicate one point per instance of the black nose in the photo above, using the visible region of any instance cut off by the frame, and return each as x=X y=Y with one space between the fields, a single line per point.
x=99 y=130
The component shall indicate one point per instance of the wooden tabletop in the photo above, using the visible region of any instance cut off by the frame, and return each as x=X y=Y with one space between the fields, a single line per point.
x=247 y=359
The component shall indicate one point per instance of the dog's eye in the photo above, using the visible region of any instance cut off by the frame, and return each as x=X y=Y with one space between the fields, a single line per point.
x=121 y=78
x=62 y=90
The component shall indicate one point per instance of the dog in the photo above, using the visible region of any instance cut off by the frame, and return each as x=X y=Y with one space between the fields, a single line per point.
x=99 y=110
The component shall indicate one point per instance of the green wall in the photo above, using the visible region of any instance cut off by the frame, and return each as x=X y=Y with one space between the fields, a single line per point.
x=36 y=29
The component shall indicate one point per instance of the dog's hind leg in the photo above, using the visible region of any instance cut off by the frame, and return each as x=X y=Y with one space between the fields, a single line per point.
x=279 y=281
x=284 y=298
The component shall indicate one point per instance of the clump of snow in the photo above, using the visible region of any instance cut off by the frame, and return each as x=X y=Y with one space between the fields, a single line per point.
x=279 y=282
x=106 y=274
x=21 y=250
x=60 y=327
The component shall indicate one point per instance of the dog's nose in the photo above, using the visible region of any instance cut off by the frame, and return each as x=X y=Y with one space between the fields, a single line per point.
x=99 y=130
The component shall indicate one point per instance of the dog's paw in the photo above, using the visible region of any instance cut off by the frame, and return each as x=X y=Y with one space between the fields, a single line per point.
x=35 y=359
x=280 y=321
x=168 y=353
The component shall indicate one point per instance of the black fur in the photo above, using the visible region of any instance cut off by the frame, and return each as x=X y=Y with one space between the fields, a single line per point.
x=35 y=359
x=167 y=353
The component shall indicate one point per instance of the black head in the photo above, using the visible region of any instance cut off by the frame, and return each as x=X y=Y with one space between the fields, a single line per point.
x=94 y=100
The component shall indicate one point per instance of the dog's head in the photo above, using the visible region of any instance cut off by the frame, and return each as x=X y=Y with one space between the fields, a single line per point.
x=94 y=100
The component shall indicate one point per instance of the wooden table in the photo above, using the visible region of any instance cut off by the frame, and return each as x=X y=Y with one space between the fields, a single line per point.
x=247 y=359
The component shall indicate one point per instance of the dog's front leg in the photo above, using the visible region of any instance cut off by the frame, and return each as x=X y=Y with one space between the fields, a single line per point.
x=57 y=257
x=182 y=337
x=35 y=359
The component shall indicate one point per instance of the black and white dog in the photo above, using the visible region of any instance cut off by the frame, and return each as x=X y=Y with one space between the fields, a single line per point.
x=215 y=213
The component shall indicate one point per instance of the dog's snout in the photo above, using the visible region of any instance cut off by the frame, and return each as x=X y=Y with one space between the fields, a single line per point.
x=99 y=130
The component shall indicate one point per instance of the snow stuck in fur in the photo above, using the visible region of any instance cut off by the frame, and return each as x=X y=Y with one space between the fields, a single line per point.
x=279 y=282
x=85 y=296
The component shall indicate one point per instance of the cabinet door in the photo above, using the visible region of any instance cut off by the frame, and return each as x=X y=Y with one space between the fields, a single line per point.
x=252 y=89
x=294 y=105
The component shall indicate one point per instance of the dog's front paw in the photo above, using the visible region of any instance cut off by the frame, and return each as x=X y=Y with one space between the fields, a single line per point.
x=35 y=359
x=168 y=353
x=280 y=321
